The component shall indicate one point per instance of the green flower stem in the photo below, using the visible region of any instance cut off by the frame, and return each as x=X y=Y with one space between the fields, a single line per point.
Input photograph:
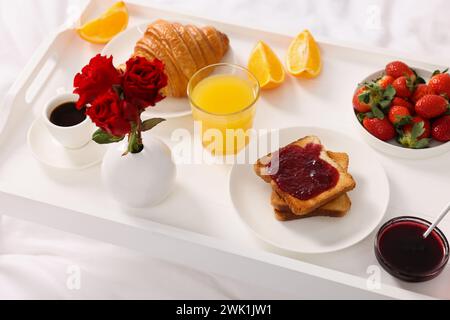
x=135 y=140
x=135 y=144
x=139 y=132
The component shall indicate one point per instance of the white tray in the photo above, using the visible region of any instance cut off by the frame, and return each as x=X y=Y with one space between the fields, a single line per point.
x=197 y=225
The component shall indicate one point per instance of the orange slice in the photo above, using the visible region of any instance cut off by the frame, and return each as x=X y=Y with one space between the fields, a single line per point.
x=266 y=66
x=105 y=27
x=303 y=57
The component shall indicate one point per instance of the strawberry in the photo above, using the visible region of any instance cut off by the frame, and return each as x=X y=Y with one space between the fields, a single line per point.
x=403 y=86
x=426 y=126
x=380 y=128
x=416 y=135
x=421 y=91
x=431 y=106
x=402 y=102
x=385 y=81
x=399 y=69
x=441 y=129
x=440 y=83
x=359 y=103
x=399 y=114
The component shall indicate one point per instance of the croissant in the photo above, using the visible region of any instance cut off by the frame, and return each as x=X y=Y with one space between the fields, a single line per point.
x=184 y=49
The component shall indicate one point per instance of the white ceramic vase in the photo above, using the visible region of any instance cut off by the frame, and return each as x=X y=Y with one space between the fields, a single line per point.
x=139 y=180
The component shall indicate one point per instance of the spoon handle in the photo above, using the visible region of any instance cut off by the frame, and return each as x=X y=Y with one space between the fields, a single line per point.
x=435 y=223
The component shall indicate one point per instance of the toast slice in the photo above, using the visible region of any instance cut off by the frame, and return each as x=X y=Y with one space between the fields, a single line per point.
x=341 y=159
x=300 y=207
x=336 y=209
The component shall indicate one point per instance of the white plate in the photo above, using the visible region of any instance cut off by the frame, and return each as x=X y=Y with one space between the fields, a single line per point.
x=122 y=46
x=251 y=199
x=51 y=153
x=393 y=148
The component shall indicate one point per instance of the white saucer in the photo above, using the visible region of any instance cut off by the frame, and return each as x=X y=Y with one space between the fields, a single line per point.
x=122 y=46
x=251 y=198
x=51 y=153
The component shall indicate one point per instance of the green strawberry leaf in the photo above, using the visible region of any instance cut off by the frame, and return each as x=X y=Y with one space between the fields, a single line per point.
x=384 y=104
x=420 y=80
x=405 y=139
x=360 y=117
x=364 y=97
x=103 y=137
x=377 y=112
x=422 y=143
x=150 y=123
x=389 y=92
x=436 y=72
x=399 y=131
x=403 y=120
x=374 y=86
x=417 y=130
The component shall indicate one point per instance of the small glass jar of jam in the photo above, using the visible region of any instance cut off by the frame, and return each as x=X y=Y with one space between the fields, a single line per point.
x=403 y=252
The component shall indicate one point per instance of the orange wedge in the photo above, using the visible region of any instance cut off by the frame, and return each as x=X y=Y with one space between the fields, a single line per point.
x=266 y=66
x=303 y=57
x=105 y=27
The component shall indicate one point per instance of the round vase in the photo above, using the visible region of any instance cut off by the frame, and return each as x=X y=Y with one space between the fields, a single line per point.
x=139 y=180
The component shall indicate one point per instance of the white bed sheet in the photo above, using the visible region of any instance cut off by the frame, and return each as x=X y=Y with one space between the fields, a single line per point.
x=40 y=263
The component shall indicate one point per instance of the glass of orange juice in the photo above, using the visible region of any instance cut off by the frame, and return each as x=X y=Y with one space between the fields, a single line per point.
x=223 y=100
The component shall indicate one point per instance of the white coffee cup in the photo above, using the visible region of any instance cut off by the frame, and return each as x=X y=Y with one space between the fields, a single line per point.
x=73 y=137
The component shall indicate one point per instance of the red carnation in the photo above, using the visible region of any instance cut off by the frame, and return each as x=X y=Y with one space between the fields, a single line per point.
x=95 y=79
x=143 y=81
x=110 y=114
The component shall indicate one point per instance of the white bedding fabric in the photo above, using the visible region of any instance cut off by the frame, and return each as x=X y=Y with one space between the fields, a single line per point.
x=34 y=260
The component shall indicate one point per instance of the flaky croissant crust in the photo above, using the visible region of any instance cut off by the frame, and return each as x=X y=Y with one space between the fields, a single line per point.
x=184 y=49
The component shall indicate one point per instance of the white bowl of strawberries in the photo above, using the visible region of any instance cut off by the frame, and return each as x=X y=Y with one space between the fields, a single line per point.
x=402 y=114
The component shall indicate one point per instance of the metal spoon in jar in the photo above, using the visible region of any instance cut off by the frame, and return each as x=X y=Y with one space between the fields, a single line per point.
x=435 y=223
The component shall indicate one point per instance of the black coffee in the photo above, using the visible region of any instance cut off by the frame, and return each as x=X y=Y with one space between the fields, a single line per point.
x=67 y=115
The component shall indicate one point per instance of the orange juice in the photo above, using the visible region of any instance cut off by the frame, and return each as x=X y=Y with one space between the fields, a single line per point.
x=223 y=94
x=224 y=104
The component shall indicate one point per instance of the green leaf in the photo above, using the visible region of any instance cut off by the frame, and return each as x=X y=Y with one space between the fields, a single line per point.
x=390 y=92
x=436 y=72
x=388 y=95
x=417 y=130
x=364 y=97
x=385 y=104
x=102 y=137
x=420 y=80
x=422 y=143
x=150 y=123
x=377 y=112
x=361 y=116
x=403 y=120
